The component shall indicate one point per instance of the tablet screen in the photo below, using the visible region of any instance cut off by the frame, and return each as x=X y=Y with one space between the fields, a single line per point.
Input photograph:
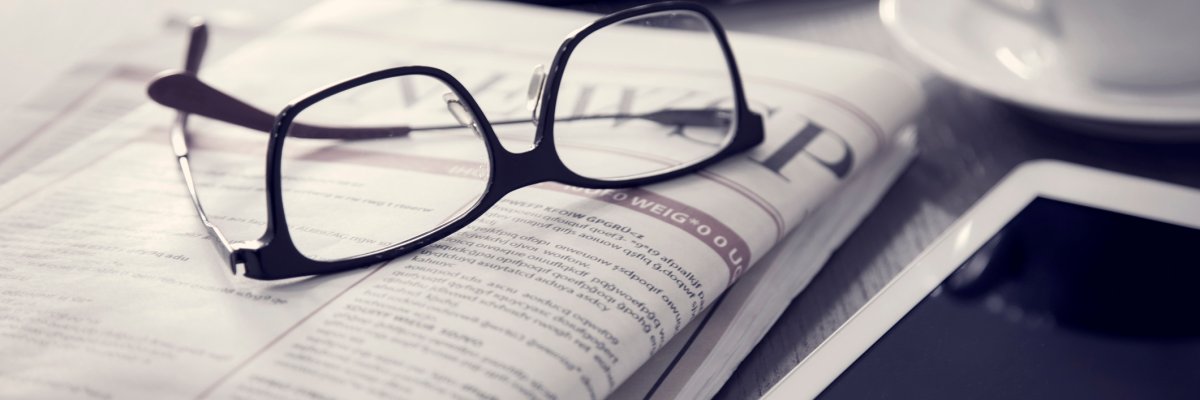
x=1066 y=301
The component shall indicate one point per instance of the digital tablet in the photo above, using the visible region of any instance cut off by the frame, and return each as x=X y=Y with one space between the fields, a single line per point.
x=1062 y=282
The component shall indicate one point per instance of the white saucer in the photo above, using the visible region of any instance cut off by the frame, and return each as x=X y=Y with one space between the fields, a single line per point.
x=978 y=46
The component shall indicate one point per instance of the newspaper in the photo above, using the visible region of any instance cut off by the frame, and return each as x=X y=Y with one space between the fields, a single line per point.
x=112 y=290
x=698 y=361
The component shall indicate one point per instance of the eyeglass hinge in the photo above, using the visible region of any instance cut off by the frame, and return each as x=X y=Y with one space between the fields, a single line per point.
x=241 y=255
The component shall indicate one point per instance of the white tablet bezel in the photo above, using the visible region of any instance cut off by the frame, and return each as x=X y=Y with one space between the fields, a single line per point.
x=1049 y=179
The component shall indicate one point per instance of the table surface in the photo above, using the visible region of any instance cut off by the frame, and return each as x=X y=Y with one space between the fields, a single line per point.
x=967 y=143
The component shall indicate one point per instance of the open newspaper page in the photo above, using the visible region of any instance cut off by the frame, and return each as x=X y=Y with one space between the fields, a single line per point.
x=112 y=289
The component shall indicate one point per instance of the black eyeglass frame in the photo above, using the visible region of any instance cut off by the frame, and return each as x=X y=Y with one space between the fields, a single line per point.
x=275 y=256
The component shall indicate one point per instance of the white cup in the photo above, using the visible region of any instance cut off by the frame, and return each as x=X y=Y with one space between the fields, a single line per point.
x=1144 y=43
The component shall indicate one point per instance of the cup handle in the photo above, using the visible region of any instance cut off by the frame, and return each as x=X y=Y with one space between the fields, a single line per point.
x=1035 y=13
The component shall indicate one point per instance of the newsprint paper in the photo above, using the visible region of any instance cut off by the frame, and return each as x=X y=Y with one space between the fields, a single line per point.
x=109 y=287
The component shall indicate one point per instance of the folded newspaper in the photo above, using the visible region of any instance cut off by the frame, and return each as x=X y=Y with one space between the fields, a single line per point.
x=109 y=287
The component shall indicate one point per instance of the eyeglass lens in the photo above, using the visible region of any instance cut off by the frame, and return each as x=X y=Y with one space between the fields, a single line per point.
x=644 y=96
x=426 y=166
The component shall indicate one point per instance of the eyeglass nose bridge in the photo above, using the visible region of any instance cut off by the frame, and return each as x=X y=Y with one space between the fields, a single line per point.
x=527 y=168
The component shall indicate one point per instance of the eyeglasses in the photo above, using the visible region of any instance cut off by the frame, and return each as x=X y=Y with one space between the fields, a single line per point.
x=383 y=164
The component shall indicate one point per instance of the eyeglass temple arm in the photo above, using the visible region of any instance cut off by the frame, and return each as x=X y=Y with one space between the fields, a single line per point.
x=195 y=54
x=183 y=91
